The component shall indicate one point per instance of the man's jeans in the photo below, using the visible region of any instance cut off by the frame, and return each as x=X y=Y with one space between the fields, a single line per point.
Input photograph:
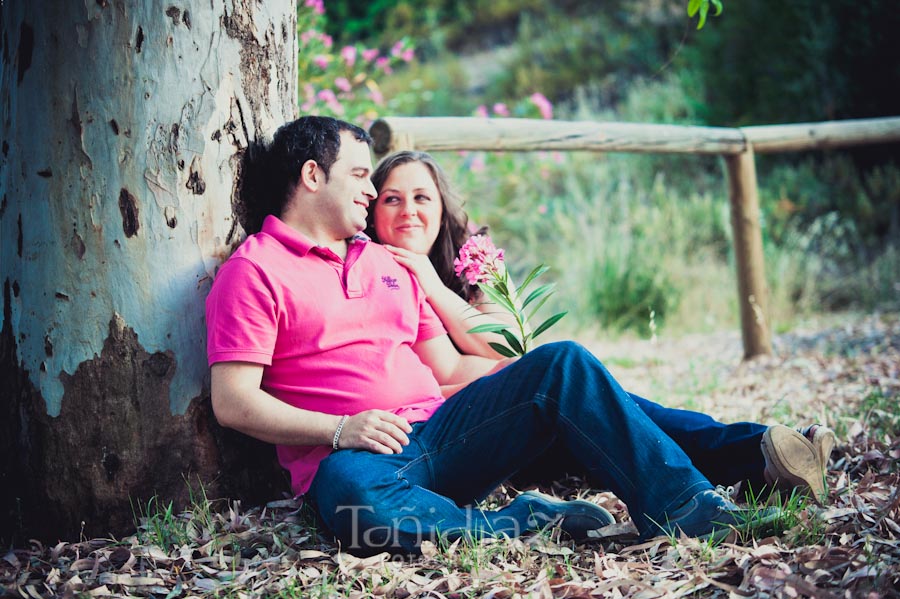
x=558 y=396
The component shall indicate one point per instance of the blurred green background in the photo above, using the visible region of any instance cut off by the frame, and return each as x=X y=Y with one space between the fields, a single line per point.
x=641 y=243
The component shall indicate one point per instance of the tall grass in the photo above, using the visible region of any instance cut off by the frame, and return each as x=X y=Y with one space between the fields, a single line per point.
x=629 y=235
x=642 y=242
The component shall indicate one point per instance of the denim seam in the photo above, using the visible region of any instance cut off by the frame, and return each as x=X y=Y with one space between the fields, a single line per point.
x=428 y=454
x=676 y=502
x=610 y=463
x=423 y=456
x=480 y=426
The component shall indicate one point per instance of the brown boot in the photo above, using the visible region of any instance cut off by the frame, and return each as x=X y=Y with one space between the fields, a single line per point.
x=792 y=462
x=822 y=439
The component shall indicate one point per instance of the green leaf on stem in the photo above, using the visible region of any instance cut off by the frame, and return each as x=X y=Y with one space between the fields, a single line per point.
x=502 y=350
x=537 y=293
x=540 y=304
x=488 y=328
x=703 y=10
x=538 y=271
x=513 y=342
x=501 y=287
x=548 y=323
x=702 y=7
x=497 y=298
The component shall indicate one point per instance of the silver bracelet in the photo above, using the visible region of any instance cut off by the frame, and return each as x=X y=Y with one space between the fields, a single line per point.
x=337 y=432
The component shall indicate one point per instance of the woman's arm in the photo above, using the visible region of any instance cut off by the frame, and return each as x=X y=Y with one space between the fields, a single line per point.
x=453 y=370
x=457 y=315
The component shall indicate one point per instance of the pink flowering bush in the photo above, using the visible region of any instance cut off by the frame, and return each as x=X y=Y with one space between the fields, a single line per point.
x=505 y=169
x=480 y=263
x=543 y=105
x=534 y=106
x=341 y=82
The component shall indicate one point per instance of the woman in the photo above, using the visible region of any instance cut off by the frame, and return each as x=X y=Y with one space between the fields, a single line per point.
x=420 y=219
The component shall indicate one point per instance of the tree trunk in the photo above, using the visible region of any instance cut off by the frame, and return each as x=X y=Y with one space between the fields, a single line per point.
x=120 y=126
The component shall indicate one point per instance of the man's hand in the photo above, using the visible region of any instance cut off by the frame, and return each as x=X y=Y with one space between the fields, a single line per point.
x=376 y=431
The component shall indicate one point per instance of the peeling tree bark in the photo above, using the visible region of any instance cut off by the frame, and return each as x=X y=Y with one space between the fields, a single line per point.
x=119 y=127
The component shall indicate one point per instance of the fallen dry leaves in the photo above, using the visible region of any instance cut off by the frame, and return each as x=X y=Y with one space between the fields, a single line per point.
x=847 y=376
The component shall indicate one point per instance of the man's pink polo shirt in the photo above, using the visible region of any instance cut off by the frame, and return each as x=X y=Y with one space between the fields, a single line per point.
x=334 y=335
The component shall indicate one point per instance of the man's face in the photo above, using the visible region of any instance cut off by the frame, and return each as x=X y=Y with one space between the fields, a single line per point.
x=346 y=195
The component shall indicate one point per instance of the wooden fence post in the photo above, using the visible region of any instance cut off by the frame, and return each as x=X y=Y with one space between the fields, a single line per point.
x=387 y=141
x=752 y=289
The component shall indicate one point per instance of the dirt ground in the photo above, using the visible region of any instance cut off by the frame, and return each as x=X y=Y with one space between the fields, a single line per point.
x=843 y=371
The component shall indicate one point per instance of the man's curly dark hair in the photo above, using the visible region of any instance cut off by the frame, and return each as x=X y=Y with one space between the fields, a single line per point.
x=270 y=171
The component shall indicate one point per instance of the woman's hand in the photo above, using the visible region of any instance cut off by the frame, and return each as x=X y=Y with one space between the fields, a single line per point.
x=376 y=431
x=420 y=266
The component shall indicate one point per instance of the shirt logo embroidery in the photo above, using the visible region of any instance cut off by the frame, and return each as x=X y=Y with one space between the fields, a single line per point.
x=391 y=282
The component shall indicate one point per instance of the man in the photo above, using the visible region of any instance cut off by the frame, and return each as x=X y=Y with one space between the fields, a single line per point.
x=321 y=343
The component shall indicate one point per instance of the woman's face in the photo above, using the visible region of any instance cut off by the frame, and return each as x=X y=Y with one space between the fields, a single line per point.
x=408 y=210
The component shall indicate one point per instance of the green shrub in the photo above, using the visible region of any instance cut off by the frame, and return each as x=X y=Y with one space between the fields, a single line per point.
x=767 y=62
x=625 y=234
x=628 y=292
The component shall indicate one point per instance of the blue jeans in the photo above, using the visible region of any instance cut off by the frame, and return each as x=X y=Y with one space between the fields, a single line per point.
x=557 y=396
x=724 y=453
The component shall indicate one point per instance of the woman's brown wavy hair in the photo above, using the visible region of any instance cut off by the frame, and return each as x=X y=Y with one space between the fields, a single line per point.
x=453 y=231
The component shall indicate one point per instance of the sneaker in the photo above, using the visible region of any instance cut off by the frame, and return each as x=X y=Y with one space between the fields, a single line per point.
x=822 y=439
x=577 y=518
x=711 y=514
x=792 y=462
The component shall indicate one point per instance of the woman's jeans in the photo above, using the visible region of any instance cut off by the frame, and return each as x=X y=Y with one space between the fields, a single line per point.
x=558 y=397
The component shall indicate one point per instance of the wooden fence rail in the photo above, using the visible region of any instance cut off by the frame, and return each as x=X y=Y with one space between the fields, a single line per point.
x=737 y=146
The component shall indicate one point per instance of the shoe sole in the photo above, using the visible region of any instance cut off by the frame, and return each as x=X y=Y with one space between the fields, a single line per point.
x=793 y=467
x=576 y=508
x=823 y=440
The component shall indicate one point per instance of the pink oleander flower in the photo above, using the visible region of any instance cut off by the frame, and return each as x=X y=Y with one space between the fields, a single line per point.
x=370 y=54
x=481 y=112
x=306 y=36
x=327 y=40
x=481 y=263
x=376 y=95
x=479 y=260
x=343 y=84
x=348 y=53
x=384 y=64
x=543 y=104
x=500 y=109
x=477 y=165
x=397 y=49
x=321 y=61
x=317 y=5
x=408 y=55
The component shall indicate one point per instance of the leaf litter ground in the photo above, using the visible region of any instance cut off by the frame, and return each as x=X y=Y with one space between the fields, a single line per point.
x=845 y=374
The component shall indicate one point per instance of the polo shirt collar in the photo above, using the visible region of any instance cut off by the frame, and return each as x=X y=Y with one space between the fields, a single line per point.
x=294 y=239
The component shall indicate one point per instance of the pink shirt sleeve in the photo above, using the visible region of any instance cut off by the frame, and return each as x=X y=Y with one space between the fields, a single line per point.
x=241 y=316
x=430 y=325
